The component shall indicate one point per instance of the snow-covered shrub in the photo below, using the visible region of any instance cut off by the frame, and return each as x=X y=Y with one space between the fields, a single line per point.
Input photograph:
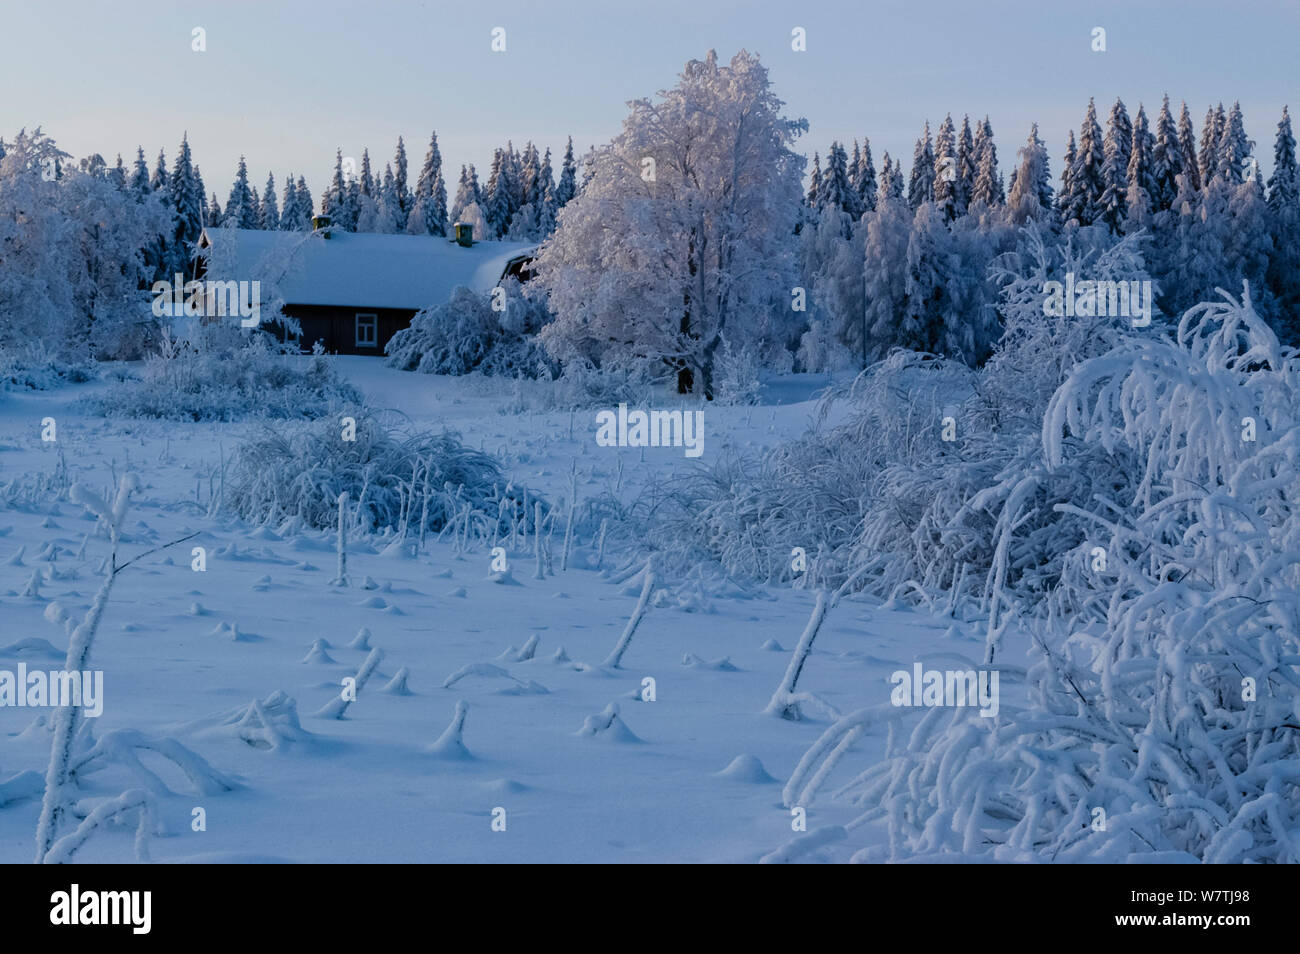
x=1162 y=720
x=37 y=367
x=584 y=384
x=885 y=488
x=735 y=379
x=820 y=350
x=467 y=334
x=393 y=479
x=228 y=376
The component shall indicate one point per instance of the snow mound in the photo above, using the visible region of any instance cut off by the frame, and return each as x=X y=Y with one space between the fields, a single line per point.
x=746 y=768
x=609 y=726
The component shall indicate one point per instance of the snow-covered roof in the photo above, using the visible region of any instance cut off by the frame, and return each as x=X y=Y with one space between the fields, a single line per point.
x=357 y=269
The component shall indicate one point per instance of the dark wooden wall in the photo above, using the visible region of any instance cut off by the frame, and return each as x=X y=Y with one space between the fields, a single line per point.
x=335 y=327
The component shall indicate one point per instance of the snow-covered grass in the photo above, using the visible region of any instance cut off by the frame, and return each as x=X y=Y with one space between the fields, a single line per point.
x=231 y=382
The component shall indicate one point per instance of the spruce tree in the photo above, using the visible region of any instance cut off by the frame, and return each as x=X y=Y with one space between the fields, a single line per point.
x=239 y=205
x=1086 y=180
x=1030 y=195
x=367 y=183
x=139 y=183
x=463 y=196
x=987 y=188
x=160 y=179
x=946 y=187
x=1234 y=149
x=567 y=187
x=1187 y=149
x=1138 y=203
x=920 y=187
x=306 y=206
x=431 y=188
x=1066 y=196
x=270 y=209
x=401 y=191
x=289 y=216
x=187 y=208
x=1284 y=221
x=866 y=184
x=1166 y=160
x=1114 y=169
x=815 y=183
x=1208 y=160
x=967 y=167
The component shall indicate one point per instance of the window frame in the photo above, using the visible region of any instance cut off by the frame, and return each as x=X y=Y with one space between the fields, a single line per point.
x=373 y=325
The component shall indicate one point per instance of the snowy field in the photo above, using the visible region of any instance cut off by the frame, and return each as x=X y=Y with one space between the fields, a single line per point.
x=184 y=654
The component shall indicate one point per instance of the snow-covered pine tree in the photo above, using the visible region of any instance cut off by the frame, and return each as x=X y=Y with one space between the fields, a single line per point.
x=1087 y=184
x=547 y=207
x=1066 y=194
x=332 y=199
x=1166 y=160
x=352 y=205
x=1114 y=168
x=945 y=169
x=160 y=177
x=1138 y=204
x=270 y=207
x=463 y=196
x=498 y=195
x=401 y=190
x=430 y=187
x=367 y=179
x=515 y=165
x=390 y=220
x=567 y=187
x=1187 y=149
x=987 y=188
x=967 y=167
x=1284 y=221
x=187 y=207
x=866 y=182
x=1234 y=150
x=306 y=206
x=836 y=195
x=257 y=208
x=813 y=197
x=289 y=206
x=530 y=167
x=139 y=182
x=920 y=187
x=1208 y=158
x=1030 y=198
x=239 y=205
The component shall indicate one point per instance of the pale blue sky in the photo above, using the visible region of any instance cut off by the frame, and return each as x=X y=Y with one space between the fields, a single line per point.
x=285 y=83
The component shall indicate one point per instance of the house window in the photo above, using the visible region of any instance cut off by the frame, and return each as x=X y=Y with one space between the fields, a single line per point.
x=367 y=331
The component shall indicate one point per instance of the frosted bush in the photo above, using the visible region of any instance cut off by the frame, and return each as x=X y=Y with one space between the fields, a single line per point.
x=228 y=375
x=1173 y=731
x=36 y=367
x=393 y=479
x=466 y=334
x=735 y=379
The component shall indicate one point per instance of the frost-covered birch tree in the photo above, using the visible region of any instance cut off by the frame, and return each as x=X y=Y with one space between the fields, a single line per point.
x=684 y=231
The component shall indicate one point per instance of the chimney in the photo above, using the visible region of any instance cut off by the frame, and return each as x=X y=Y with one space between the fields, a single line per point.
x=321 y=223
x=464 y=234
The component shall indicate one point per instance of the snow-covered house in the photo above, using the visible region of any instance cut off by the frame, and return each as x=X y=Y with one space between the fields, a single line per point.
x=354 y=291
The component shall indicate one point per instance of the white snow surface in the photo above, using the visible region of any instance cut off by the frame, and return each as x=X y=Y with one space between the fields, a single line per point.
x=366 y=787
